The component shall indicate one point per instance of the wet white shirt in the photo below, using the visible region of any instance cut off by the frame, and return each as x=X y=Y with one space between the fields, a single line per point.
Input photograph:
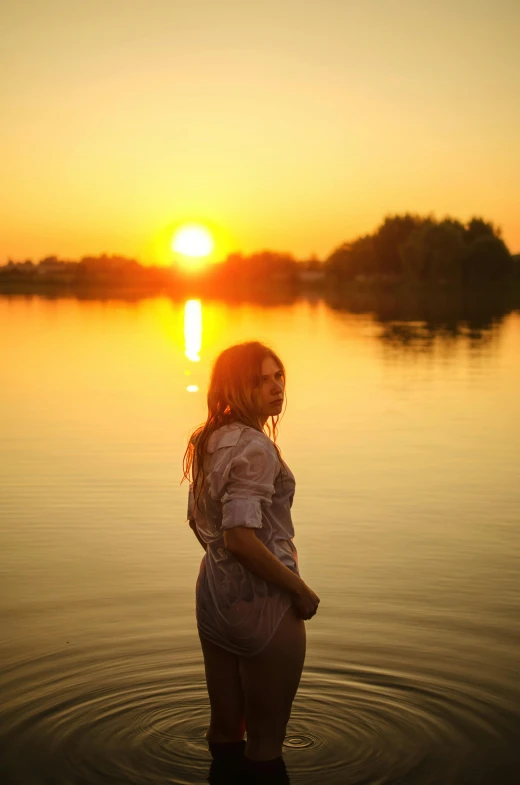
x=244 y=486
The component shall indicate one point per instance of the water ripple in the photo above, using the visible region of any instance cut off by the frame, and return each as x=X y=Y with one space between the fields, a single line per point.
x=136 y=716
x=380 y=727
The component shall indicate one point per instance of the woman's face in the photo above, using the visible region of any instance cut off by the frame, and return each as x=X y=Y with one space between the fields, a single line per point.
x=271 y=390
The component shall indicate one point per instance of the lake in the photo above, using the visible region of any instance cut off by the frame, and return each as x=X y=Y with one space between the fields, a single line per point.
x=403 y=431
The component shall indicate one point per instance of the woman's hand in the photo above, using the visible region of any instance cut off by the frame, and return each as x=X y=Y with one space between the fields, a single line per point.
x=306 y=602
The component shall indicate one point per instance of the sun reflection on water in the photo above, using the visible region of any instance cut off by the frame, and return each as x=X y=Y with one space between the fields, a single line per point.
x=193 y=330
x=192 y=336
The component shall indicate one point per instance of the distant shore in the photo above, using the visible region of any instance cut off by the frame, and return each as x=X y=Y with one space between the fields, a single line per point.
x=408 y=254
x=259 y=291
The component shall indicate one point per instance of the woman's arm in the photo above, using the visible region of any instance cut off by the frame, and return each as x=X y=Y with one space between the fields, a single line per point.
x=251 y=552
x=254 y=556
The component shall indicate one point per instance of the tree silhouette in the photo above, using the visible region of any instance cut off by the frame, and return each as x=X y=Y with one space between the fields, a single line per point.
x=423 y=250
x=477 y=228
x=434 y=252
x=487 y=260
x=391 y=235
x=352 y=259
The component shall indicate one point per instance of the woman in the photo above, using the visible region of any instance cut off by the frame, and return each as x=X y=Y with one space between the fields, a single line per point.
x=250 y=600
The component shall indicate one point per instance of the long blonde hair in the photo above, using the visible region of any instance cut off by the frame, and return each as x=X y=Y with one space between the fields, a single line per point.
x=235 y=378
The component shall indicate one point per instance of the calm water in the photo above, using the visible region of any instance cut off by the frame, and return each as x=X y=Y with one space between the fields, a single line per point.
x=404 y=437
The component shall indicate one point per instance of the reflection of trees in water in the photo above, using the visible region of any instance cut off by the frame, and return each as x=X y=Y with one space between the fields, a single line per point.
x=417 y=321
x=277 y=296
x=425 y=338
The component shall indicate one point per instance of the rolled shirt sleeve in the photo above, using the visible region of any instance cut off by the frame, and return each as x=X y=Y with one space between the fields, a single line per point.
x=250 y=486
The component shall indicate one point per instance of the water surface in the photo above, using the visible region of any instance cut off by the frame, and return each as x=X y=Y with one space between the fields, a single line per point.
x=403 y=432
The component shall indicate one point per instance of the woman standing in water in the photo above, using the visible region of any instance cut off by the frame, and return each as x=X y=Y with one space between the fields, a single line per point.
x=250 y=600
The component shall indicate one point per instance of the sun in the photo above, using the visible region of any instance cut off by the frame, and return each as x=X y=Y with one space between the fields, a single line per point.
x=193 y=241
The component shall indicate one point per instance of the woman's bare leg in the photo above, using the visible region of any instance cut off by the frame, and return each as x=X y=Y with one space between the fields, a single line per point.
x=225 y=694
x=269 y=681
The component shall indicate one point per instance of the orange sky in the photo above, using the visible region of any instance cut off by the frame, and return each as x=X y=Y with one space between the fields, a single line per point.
x=285 y=124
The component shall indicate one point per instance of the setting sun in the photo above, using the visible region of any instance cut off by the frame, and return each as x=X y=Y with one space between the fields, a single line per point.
x=194 y=241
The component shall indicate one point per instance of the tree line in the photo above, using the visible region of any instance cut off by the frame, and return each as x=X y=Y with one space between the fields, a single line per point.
x=420 y=249
x=404 y=248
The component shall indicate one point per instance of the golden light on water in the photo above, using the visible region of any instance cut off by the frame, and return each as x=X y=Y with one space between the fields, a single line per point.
x=193 y=330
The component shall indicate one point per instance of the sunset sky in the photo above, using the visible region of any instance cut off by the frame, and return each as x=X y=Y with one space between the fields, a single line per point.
x=292 y=125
